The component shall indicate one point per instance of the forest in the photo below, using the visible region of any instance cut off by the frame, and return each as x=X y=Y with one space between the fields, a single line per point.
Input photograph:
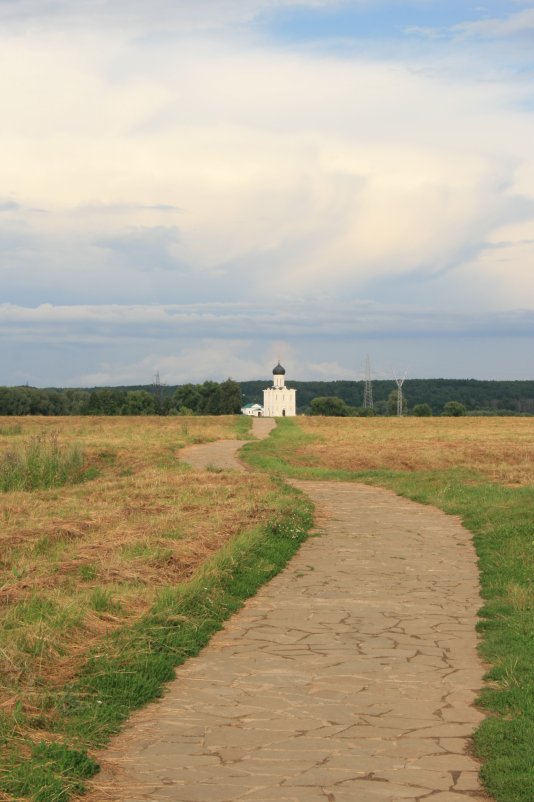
x=490 y=397
x=209 y=398
x=213 y=398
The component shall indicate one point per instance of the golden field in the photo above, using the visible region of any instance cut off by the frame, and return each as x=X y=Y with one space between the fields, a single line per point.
x=501 y=449
x=78 y=561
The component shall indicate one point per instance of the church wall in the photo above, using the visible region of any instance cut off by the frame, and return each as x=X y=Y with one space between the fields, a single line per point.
x=277 y=400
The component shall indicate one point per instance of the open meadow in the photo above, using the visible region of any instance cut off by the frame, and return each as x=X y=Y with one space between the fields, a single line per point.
x=91 y=562
x=499 y=449
x=120 y=566
x=482 y=470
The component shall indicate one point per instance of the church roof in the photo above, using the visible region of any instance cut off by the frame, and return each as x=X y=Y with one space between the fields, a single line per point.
x=279 y=370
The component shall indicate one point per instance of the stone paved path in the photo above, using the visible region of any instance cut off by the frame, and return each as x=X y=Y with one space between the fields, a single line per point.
x=350 y=677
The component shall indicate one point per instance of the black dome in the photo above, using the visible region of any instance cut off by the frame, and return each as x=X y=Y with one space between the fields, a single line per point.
x=279 y=370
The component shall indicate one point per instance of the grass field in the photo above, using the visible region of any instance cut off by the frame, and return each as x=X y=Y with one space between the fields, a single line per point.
x=480 y=469
x=100 y=594
x=116 y=573
x=498 y=449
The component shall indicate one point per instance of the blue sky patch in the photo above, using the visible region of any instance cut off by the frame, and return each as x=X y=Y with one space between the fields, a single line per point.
x=376 y=20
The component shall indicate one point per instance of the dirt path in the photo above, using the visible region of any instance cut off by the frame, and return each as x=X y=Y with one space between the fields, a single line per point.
x=223 y=453
x=350 y=677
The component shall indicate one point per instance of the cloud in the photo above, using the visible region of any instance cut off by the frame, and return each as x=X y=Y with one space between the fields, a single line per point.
x=205 y=162
x=519 y=23
x=183 y=15
x=324 y=318
x=113 y=345
x=205 y=358
x=145 y=249
x=250 y=169
x=8 y=205
x=216 y=359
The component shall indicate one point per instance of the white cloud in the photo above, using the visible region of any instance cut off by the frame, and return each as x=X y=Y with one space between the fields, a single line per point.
x=273 y=169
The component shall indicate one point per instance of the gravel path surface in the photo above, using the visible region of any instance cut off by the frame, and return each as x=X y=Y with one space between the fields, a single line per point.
x=223 y=453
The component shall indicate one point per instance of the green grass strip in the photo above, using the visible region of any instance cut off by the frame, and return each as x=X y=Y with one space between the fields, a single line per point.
x=243 y=427
x=131 y=667
x=51 y=771
x=502 y=522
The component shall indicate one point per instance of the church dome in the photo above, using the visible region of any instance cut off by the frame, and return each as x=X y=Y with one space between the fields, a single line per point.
x=279 y=370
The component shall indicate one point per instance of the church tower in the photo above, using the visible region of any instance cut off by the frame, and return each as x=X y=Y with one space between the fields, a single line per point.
x=279 y=401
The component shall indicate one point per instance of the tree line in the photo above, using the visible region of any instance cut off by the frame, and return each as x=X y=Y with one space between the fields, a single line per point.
x=335 y=407
x=209 y=398
x=478 y=397
x=421 y=396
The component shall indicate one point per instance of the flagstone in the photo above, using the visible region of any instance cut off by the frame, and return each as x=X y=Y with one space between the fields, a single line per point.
x=467 y=781
x=352 y=682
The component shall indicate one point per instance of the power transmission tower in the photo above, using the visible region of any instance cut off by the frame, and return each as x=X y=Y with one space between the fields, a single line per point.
x=159 y=391
x=400 y=382
x=368 y=385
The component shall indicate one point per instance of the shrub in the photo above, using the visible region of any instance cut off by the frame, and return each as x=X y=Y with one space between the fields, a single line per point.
x=422 y=411
x=454 y=409
x=330 y=406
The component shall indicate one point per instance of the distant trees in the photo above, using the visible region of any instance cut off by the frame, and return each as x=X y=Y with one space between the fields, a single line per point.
x=212 y=398
x=422 y=411
x=454 y=409
x=228 y=399
x=500 y=396
x=329 y=406
x=209 y=398
x=32 y=401
x=77 y=401
x=187 y=397
x=106 y=401
x=139 y=402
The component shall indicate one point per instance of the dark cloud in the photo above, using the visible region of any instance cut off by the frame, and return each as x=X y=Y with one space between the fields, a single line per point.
x=325 y=320
x=83 y=346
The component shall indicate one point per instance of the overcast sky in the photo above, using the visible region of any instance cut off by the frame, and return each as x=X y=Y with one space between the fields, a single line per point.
x=201 y=187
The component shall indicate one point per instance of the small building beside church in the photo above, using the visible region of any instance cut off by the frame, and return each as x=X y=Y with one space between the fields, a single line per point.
x=256 y=410
x=279 y=401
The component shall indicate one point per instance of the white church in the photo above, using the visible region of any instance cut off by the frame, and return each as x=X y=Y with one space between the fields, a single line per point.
x=279 y=401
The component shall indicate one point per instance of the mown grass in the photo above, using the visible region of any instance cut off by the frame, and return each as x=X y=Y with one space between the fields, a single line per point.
x=106 y=586
x=499 y=513
x=130 y=666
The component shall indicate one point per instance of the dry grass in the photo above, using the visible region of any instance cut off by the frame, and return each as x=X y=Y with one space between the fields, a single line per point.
x=501 y=449
x=78 y=561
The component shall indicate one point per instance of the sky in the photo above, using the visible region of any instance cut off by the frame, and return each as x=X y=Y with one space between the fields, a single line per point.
x=199 y=188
